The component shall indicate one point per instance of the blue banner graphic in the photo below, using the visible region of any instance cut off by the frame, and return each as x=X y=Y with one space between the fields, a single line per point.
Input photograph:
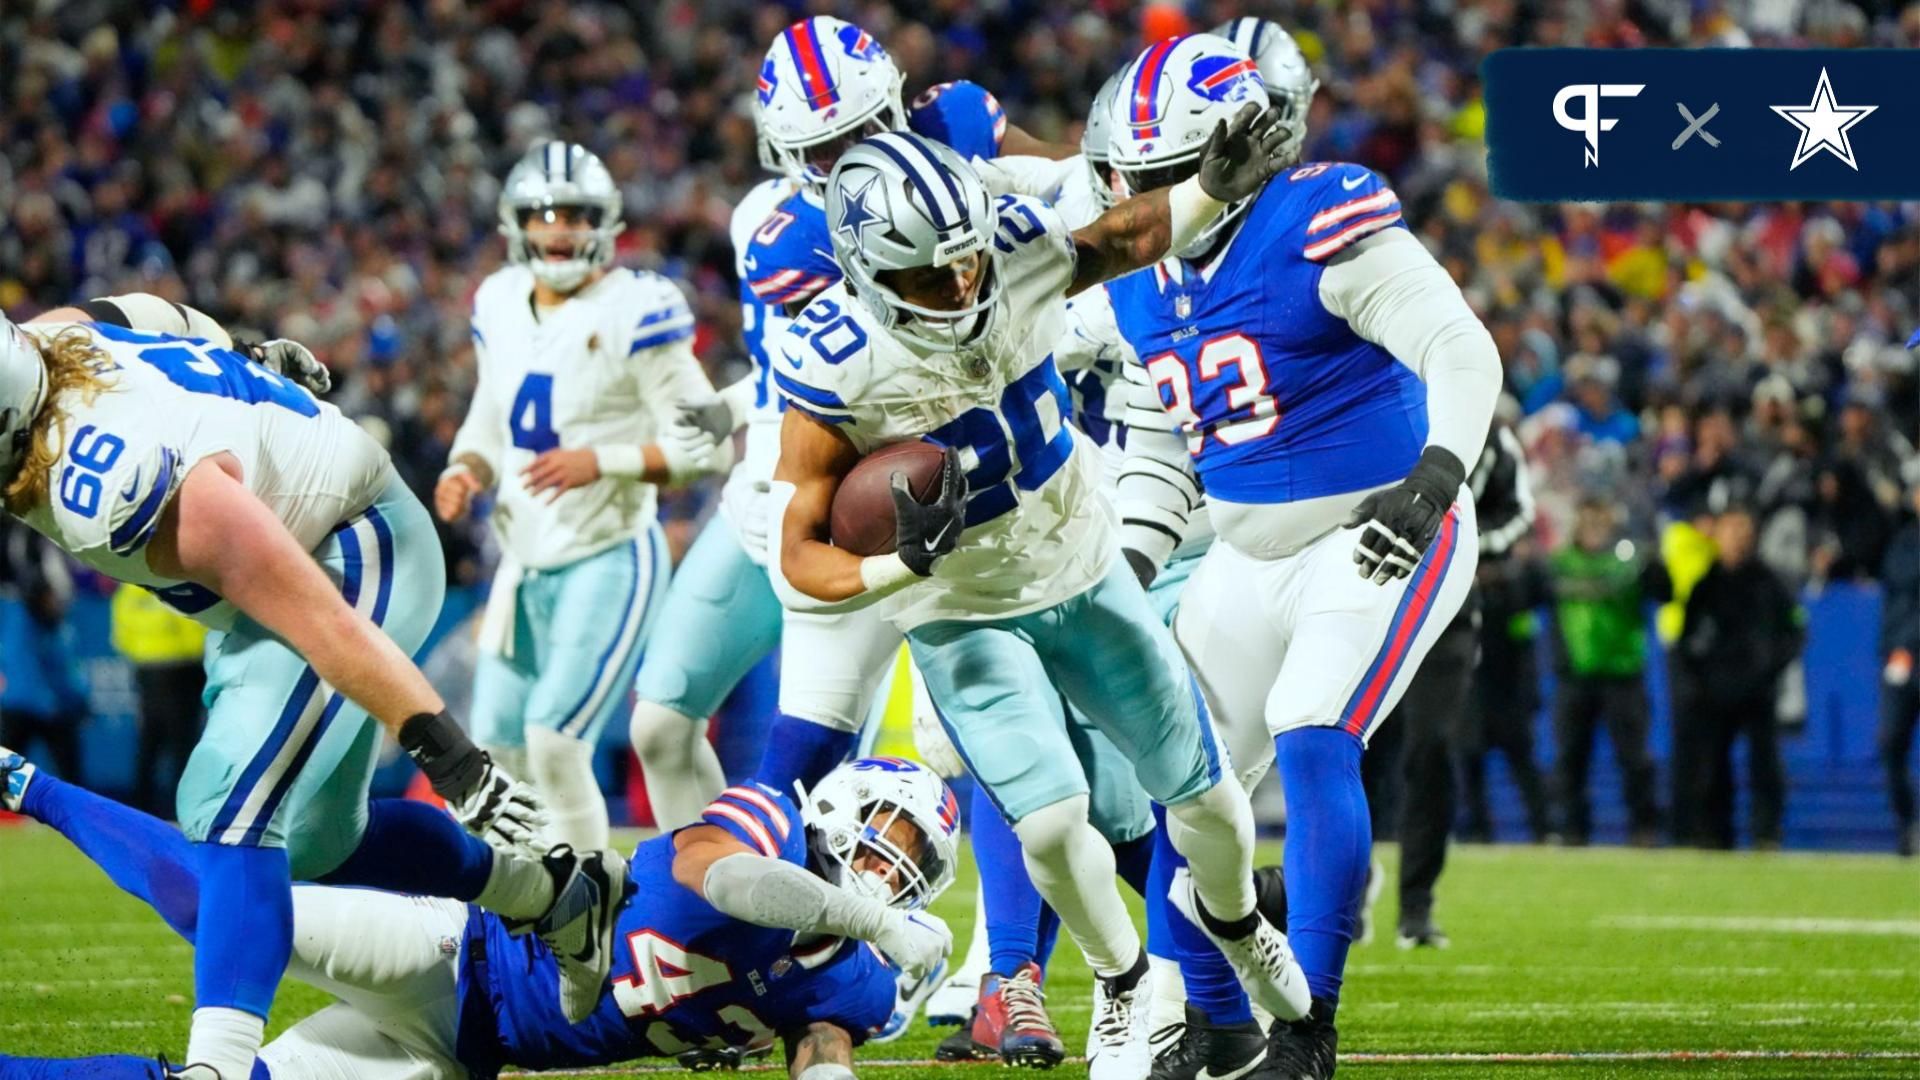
x=1703 y=125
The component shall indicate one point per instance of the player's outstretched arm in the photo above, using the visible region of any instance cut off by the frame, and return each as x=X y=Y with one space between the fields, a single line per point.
x=767 y=891
x=1137 y=232
x=823 y=1052
x=216 y=533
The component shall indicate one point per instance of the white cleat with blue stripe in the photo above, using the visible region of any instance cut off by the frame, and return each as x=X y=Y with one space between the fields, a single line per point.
x=1262 y=960
x=16 y=772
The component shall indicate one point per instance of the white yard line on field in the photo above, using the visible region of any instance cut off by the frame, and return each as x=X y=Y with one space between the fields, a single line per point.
x=1762 y=924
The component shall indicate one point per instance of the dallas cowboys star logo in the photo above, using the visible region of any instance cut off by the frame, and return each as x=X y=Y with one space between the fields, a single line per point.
x=854 y=215
x=1823 y=125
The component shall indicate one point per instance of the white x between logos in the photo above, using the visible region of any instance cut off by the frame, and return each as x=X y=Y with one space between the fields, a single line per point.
x=1696 y=127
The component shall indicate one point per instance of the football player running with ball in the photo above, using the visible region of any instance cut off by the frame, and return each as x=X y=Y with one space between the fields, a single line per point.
x=1006 y=582
x=1322 y=374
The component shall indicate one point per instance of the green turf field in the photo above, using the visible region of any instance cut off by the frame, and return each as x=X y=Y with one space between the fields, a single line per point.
x=1597 y=963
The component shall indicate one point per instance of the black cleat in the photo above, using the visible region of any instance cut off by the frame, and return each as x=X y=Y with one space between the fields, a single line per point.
x=961 y=1045
x=1270 y=895
x=1421 y=933
x=1216 y=1052
x=1303 y=1049
x=712 y=1059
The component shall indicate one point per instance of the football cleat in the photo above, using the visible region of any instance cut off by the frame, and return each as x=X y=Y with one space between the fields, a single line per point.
x=719 y=1058
x=1120 y=1046
x=169 y=1071
x=1028 y=1038
x=588 y=892
x=961 y=1046
x=1261 y=960
x=1304 y=1049
x=1213 y=1051
x=16 y=772
x=908 y=996
x=1421 y=933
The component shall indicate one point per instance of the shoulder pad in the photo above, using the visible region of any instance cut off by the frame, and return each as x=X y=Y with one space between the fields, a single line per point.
x=1339 y=203
x=759 y=817
x=791 y=256
x=963 y=115
x=107 y=493
x=659 y=310
x=821 y=356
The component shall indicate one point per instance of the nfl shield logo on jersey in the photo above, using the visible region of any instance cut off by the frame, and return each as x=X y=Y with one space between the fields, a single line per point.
x=1183 y=305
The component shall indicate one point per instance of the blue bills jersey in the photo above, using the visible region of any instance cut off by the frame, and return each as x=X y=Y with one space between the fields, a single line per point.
x=963 y=115
x=684 y=975
x=1280 y=399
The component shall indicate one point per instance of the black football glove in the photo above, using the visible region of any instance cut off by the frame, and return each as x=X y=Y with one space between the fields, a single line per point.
x=290 y=360
x=1242 y=154
x=925 y=531
x=1397 y=525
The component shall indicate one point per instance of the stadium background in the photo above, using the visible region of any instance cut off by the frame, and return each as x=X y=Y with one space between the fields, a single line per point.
x=327 y=171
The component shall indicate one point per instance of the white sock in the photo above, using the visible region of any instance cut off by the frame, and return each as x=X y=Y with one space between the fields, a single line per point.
x=1169 y=993
x=511 y=758
x=979 y=950
x=561 y=766
x=226 y=1039
x=1072 y=867
x=683 y=773
x=1215 y=833
x=518 y=886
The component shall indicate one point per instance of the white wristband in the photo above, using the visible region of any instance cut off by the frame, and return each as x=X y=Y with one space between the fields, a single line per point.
x=1190 y=210
x=621 y=459
x=881 y=573
x=458 y=467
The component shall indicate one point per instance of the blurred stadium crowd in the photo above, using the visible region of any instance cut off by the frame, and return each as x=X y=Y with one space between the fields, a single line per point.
x=326 y=170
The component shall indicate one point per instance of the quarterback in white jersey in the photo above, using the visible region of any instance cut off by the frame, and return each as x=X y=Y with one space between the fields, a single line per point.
x=142 y=440
x=573 y=421
x=1004 y=583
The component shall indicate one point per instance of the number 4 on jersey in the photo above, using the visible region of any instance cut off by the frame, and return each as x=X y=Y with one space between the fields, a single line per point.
x=531 y=419
x=664 y=974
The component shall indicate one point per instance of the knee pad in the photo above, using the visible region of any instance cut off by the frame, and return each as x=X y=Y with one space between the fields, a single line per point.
x=562 y=770
x=660 y=735
x=1051 y=828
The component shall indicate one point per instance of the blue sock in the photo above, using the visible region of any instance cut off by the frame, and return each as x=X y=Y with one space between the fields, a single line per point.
x=1045 y=935
x=1159 y=879
x=1329 y=841
x=1212 y=987
x=801 y=750
x=411 y=847
x=142 y=854
x=105 y=1067
x=1134 y=861
x=1013 y=904
x=246 y=897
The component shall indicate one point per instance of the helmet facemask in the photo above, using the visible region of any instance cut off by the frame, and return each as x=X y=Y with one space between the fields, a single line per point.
x=585 y=247
x=811 y=163
x=885 y=854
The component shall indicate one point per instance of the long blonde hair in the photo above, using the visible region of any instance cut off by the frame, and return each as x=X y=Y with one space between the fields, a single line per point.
x=75 y=370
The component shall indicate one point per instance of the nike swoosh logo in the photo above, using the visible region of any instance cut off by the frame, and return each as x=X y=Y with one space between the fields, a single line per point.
x=1348 y=183
x=934 y=542
x=133 y=488
x=1208 y=1073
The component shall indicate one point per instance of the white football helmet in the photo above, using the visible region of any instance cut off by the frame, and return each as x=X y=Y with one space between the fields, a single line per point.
x=1283 y=67
x=825 y=84
x=899 y=201
x=23 y=390
x=1171 y=98
x=853 y=811
x=555 y=174
x=1096 y=142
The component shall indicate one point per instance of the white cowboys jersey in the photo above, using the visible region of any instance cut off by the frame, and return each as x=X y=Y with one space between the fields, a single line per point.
x=606 y=367
x=170 y=403
x=1038 y=529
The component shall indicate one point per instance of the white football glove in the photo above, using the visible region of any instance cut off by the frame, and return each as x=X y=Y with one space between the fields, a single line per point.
x=692 y=451
x=930 y=739
x=747 y=509
x=507 y=813
x=915 y=941
x=291 y=360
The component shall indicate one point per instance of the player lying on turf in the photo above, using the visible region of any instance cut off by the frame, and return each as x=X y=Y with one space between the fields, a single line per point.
x=741 y=928
x=143 y=441
x=1006 y=577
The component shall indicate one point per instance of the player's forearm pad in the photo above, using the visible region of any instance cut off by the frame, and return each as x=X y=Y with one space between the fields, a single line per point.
x=769 y=892
x=1190 y=210
x=436 y=743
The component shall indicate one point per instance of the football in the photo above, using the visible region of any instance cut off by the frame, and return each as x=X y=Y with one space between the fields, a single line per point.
x=862 y=516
